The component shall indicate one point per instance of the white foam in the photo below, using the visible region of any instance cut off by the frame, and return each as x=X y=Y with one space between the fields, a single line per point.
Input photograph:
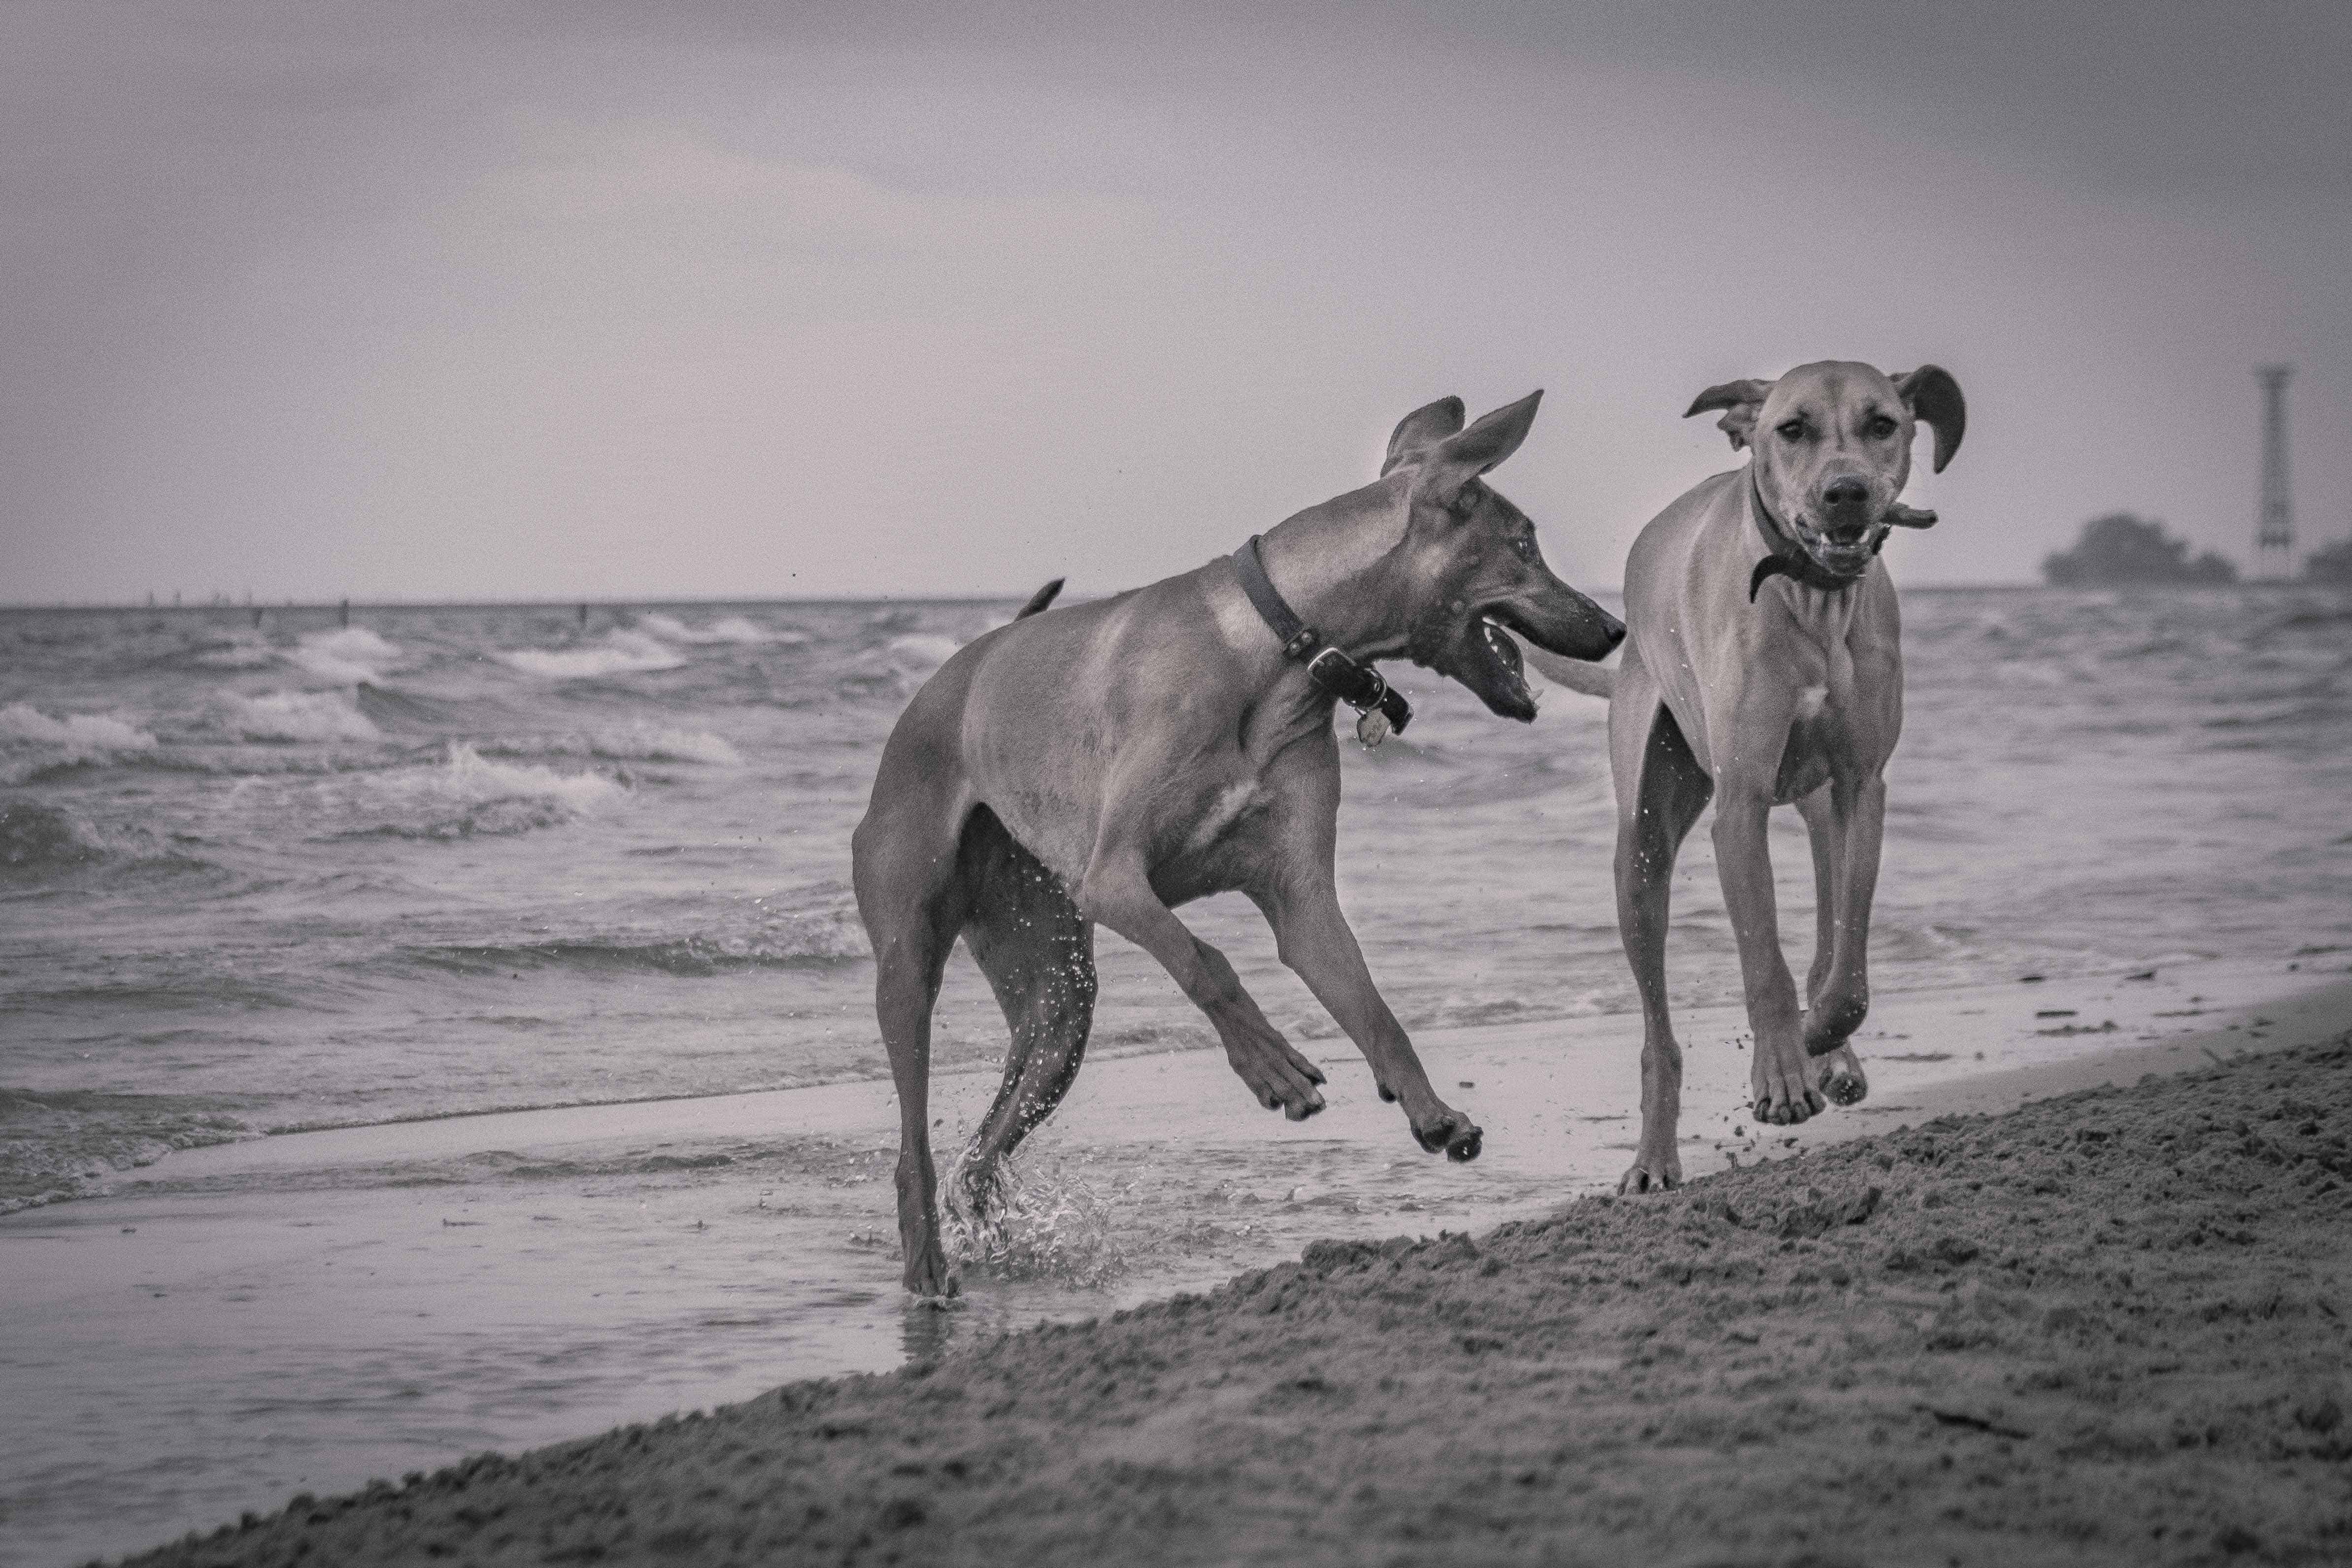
x=922 y=650
x=345 y=657
x=732 y=629
x=643 y=742
x=86 y=737
x=296 y=715
x=622 y=653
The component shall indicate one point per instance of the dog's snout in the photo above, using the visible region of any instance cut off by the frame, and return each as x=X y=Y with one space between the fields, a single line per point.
x=1612 y=627
x=1845 y=493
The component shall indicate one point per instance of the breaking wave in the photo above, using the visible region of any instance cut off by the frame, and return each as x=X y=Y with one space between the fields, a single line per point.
x=814 y=943
x=732 y=630
x=345 y=657
x=32 y=742
x=468 y=795
x=623 y=652
x=640 y=742
x=295 y=716
x=67 y=1144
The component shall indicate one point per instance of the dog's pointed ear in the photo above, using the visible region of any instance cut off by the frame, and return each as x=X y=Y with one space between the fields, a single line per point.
x=1460 y=458
x=1934 y=398
x=1741 y=402
x=1422 y=429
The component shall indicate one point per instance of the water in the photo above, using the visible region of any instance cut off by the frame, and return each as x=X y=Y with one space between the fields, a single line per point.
x=456 y=859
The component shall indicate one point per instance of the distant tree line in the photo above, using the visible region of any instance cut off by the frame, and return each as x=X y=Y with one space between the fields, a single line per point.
x=2332 y=563
x=2123 y=549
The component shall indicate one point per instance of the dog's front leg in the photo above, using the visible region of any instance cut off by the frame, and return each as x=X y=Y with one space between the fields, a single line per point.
x=1781 y=1079
x=1116 y=890
x=1314 y=938
x=1854 y=817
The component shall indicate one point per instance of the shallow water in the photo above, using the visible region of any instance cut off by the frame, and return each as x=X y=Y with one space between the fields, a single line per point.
x=446 y=859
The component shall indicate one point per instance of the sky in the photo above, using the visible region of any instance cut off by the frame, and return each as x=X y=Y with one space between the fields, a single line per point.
x=620 y=299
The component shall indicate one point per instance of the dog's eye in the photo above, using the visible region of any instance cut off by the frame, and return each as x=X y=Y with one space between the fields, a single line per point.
x=1792 y=429
x=1880 y=427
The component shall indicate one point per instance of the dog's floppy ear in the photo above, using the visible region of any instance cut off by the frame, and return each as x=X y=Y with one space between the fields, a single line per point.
x=1935 y=399
x=1458 y=459
x=1741 y=402
x=1422 y=429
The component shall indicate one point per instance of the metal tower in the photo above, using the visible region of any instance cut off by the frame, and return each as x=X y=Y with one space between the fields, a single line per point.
x=2274 y=530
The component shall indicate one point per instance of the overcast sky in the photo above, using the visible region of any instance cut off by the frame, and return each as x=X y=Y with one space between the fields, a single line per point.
x=639 y=301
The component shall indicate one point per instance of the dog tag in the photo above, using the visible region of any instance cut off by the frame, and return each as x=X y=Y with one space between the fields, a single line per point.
x=1371 y=727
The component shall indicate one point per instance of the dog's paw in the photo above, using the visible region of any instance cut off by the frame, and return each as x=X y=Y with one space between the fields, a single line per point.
x=1784 y=1093
x=1649 y=1174
x=1842 y=1077
x=929 y=1278
x=1451 y=1131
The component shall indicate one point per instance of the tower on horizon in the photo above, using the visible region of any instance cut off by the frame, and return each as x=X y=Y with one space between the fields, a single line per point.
x=2274 y=527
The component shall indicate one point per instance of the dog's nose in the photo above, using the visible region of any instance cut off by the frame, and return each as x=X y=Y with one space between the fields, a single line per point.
x=1614 y=627
x=1845 y=493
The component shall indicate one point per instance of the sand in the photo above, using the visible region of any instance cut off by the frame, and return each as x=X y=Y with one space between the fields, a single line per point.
x=302 y=1312
x=2110 y=1326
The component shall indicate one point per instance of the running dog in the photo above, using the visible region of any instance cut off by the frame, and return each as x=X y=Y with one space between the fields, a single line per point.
x=1765 y=667
x=1106 y=762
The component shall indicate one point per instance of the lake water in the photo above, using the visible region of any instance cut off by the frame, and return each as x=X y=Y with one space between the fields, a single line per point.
x=453 y=859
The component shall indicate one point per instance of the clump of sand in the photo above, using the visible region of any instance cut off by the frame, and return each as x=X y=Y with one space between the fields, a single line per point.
x=2110 y=1327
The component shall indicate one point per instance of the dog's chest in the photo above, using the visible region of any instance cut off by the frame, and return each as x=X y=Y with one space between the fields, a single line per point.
x=1220 y=810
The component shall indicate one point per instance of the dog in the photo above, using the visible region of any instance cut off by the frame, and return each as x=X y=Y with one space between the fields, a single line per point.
x=1106 y=762
x=1765 y=667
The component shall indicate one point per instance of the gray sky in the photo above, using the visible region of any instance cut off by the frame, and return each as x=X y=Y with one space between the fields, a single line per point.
x=634 y=301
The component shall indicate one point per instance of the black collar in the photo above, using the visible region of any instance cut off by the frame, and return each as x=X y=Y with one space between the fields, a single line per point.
x=1789 y=559
x=1333 y=670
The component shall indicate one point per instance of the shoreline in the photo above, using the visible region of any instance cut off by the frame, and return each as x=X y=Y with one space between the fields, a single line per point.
x=1911 y=1343
x=416 y=1281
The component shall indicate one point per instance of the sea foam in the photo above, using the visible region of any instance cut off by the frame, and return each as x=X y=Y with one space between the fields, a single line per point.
x=345 y=657
x=732 y=629
x=296 y=715
x=623 y=652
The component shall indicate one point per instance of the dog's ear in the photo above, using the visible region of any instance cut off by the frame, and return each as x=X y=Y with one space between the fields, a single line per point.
x=1422 y=429
x=1934 y=398
x=1458 y=459
x=1741 y=402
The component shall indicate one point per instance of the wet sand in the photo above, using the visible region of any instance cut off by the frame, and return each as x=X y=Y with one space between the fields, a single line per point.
x=305 y=1311
x=2110 y=1326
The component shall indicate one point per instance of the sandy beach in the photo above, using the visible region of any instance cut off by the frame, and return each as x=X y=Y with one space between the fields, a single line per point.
x=382 y=1301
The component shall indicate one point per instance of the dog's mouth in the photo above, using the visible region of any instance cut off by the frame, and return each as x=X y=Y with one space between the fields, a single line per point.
x=1484 y=659
x=1843 y=554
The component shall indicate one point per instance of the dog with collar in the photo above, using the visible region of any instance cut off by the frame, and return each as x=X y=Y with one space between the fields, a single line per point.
x=1109 y=762
x=1765 y=668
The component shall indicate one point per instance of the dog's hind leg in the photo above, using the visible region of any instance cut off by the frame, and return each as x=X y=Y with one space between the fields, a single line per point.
x=1661 y=791
x=904 y=867
x=1038 y=953
x=1845 y=825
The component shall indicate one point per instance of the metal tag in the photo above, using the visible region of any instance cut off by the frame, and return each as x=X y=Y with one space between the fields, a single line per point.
x=1371 y=727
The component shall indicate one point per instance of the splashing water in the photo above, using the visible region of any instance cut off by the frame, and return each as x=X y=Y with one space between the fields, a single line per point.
x=1042 y=1220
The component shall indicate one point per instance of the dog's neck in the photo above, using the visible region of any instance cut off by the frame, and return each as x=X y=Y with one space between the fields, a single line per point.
x=1333 y=564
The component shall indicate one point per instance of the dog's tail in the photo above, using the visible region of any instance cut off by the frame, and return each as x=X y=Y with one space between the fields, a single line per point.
x=1039 y=600
x=1592 y=680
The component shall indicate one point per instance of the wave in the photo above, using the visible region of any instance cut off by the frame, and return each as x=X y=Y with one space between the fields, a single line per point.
x=819 y=943
x=295 y=716
x=97 y=735
x=33 y=744
x=921 y=650
x=640 y=742
x=67 y=1144
x=468 y=795
x=624 y=653
x=345 y=657
x=239 y=650
x=732 y=630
